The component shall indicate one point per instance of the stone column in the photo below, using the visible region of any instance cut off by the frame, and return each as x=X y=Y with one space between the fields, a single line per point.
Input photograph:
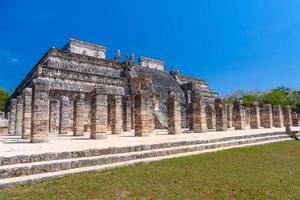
x=221 y=117
x=229 y=116
x=277 y=116
x=12 y=118
x=174 y=114
x=40 y=110
x=79 y=111
x=287 y=115
x=199 y=115
x=247 y=118
x=295 y=119
x=99 y=113
x=210 y=117
x=27 y=94
x=142 y=113
x=238 y=116
x=64 y=115
x=19 y=115
x=54 y=115
x=117 y=115
x=267 y=117
x=254 y=116
x=190 y=116
x=127 y=114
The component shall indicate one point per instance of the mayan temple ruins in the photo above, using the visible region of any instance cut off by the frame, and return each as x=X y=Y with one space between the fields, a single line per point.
x=77 y=90
x=76 y=109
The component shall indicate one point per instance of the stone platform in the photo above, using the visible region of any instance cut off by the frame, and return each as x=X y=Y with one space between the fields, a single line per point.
x=23 y=162
x=13 y=145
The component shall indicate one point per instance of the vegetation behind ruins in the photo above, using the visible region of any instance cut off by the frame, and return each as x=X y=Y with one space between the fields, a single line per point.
x=277 y=96
x=3 y=99
x=261 y=172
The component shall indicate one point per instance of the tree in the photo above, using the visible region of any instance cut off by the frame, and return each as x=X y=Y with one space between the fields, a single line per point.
x=276 y=97
x=4 y=96
x=248 y=99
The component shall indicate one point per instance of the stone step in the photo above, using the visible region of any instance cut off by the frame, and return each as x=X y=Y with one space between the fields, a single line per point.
x=23 y=169
x=31 y=158
x=11 y=182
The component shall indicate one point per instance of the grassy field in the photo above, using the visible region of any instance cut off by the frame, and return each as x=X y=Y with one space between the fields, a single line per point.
x=261 y=172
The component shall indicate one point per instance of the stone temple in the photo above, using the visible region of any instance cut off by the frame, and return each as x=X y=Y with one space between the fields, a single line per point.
x=77 y=90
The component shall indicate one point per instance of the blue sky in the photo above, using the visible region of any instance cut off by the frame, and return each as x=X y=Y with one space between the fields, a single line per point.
x=233 y=44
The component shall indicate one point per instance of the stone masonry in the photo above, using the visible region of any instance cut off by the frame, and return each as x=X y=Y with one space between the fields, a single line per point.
x=117 y=115
x=287 y=116
x=277 y=116
x=238 y=116
x=295 y=119
x=174 y=114
x=199 y=115
x=27 y=95
x=266 y=115
x=99 y=114
x=229 y=109
x=254 y=116
x=76 y=91
x=12 y=117
x=40 y=111
x=221 y=117
x=79 y=116
x=211 y=117
x=19 y=115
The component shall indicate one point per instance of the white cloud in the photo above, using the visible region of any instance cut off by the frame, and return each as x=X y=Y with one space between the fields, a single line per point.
x=7 y=56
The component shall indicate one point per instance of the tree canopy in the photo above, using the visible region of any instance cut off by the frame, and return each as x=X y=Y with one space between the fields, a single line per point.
x=3 y=99
x=278 y=96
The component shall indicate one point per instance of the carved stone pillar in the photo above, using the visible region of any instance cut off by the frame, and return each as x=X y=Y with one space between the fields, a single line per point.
x=287 y=115
x=12 y=117
x=229 y=116
x=117 y=115
x=64 y=115
x=295 y=119
x=238 y=116
x=199 y=115
x=277 y=116
x=210 y=117
x=221 y=117
x=190 y=116
x=79 y=111
x=247 y=118
x=127 y=114
x=27 y=94
x=99 y=113
x=19 y=115
x=254 y=116
x=40 y=110
x=174 y=114
x=54 y=116
x=266 y=115
x=143 y=113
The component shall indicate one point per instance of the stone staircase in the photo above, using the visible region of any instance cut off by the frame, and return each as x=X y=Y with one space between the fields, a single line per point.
x=161 y=118
x=31 y=168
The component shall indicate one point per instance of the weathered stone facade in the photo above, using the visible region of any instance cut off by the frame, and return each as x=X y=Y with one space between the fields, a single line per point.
x=174 y=114
x=266 y=116
x=27 y=95
x=295 y=119
x=76 y=91
x=238 y=116
x=199 y=115
x=287 y=115
x=254 y=116
x=221 y=117
x=277 y=116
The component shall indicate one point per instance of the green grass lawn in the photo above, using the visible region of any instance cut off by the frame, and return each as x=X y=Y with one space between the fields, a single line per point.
x=261 y=172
